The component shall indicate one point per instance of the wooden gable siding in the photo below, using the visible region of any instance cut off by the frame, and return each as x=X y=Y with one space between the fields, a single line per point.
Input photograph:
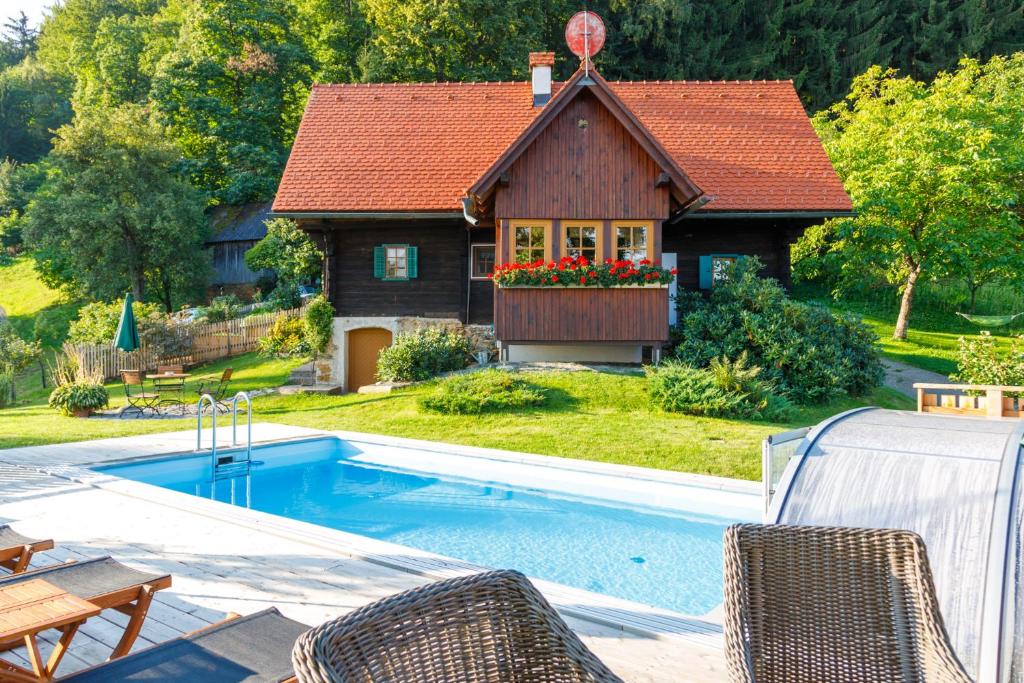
x=439 y=291
x=593 y=172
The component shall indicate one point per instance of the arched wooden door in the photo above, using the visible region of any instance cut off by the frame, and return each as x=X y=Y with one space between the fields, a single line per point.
x=363 y=346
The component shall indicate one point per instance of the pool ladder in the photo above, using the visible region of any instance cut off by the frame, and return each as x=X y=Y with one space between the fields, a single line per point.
x=227 y=465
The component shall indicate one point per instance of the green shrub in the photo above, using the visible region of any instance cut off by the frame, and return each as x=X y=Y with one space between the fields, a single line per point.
x=7 y=393
x=808 y=352
x=97 y=322
x=77 y=396
x=319 y=319
x=286 y=337
x=222 y=308
x=482 y=392
x=422 y=354
x=725 y=389
x=16 y=354
x=979 y=361
x=161 y=336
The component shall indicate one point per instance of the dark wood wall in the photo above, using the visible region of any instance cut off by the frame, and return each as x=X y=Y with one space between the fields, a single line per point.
x=439 y=291
x=481 y=292
x=593 y=171
x=768 y=239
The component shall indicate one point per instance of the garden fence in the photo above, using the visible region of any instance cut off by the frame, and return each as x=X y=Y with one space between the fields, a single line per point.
x=205 y=342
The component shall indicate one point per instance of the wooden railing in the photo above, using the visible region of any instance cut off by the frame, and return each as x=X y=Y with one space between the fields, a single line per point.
x=581 y=314
x=205 y=342
x=986 y=400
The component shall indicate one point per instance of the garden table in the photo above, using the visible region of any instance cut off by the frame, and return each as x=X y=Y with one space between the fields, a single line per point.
x=27 y=609
x=170 y=383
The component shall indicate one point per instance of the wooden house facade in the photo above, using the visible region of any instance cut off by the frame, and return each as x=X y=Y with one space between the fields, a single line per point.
x=416 y=191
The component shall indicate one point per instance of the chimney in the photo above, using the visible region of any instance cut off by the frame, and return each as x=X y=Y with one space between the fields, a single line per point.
x=540 y=74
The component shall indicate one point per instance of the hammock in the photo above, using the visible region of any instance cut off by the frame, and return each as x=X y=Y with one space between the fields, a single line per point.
x=990 y=320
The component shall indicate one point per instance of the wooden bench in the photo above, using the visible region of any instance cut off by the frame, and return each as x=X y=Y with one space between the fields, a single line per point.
x=985 y=400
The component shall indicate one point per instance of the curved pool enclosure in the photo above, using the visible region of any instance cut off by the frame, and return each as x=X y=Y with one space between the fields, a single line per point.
x=957 y=482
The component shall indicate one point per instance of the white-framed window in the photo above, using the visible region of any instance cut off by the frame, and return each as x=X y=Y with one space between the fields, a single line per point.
x=481 y=261
x=720 y=266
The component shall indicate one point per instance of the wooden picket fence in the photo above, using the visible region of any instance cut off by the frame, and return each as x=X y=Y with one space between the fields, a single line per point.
x=206 y=342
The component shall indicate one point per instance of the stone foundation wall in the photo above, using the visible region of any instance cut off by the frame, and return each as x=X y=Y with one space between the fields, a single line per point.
x=332 y=366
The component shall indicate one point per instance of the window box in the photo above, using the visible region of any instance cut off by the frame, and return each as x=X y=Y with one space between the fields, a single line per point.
x=581 y=273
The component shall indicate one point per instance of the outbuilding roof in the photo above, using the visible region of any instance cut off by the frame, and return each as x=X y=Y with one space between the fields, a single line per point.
x=419 y=147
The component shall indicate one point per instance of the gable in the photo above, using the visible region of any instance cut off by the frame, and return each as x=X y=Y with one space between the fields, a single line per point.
x=583 y=164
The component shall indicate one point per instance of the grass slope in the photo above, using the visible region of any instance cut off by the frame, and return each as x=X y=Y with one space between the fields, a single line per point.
x=24 y=296
x=591 y=416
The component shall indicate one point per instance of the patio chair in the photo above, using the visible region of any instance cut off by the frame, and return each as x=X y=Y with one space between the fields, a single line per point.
x=832 y=604
x=493 y=627
x=170 y=389
x=16 y=550
x=218 y=389
x=135 y=391
x=251 y=649
x=106 y=583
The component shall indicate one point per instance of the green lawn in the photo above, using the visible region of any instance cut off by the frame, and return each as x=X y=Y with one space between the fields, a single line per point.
x=593 y=416
x=933 y=338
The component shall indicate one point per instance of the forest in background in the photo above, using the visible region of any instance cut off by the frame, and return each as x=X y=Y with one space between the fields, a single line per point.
x=124 y=121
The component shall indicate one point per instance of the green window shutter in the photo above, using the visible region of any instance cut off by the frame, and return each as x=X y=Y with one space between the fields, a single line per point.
x=378 y=262
x=705 y=272
x=412 y=262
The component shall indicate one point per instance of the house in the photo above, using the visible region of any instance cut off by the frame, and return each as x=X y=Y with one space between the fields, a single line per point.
x=415 y=191
x=236 y=230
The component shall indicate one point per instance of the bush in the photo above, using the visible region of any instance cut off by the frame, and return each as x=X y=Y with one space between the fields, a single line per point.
x=79 y=396
x=422 y=354
x=482 y=392
x=16 y=354
x=319 y=319
x=725 y=389
x=979 y=362
x=284 y=297
x=160 y=335
x=97 y=322
x=809 y=353
x=286 y=337
x=7 y=392
x=222 y=308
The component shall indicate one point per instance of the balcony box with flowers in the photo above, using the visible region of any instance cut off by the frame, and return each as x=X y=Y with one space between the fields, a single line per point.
x=574 y=300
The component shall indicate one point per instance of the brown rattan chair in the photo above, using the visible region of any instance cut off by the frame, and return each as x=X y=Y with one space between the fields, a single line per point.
x=832 y=604
x=493 y=627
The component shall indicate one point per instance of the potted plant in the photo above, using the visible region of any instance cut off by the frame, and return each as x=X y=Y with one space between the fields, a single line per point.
x=79 y=398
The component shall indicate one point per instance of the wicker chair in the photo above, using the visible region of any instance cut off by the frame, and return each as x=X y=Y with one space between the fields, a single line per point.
x=832 y=604
x=488 y=628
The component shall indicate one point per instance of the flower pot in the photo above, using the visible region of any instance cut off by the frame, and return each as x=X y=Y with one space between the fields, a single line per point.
x=82 y=412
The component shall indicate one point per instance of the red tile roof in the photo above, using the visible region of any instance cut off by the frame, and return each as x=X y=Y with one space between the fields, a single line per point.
x=419 y=147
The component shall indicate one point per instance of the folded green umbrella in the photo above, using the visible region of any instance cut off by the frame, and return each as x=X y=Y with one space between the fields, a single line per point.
x=127 y=337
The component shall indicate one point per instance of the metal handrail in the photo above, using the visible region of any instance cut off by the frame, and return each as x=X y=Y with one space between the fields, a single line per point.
x=199 y=425
x=248 y=419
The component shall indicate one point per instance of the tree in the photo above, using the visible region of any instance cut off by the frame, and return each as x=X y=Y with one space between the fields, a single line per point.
x=33 y=102
x=935 y=173
x=460 y=40
x=16 y=354
x=287 y=251
x=17 y=40
x=112 y=214
x=231 y=94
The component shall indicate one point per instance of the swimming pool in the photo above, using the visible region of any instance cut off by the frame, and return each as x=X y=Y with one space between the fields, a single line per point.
x=643 y=540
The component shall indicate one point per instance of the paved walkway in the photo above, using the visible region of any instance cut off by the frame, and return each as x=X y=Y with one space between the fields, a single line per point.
x=902 y=377
x=220 y=566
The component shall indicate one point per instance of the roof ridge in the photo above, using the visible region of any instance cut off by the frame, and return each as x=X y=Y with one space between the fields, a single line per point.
x=467 y=84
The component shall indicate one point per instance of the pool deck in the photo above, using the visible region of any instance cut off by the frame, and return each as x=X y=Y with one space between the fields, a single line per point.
x=226 y=559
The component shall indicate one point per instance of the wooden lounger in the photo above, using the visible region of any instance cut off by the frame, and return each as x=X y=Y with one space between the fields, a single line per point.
x=16 y=550
x=106 y=583
x=250 y=649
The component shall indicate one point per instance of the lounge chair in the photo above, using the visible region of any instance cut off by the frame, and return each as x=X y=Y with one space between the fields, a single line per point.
x=250 y=649
x=218 y=389
x=106 y=583
x=493 y=627
x=139 y=399
x=832 y=604
x=16 y=550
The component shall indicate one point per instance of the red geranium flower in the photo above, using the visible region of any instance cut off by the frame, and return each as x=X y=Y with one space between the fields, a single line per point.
x=554 y=278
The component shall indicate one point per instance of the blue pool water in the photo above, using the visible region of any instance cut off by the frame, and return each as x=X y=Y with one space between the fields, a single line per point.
x=655 y=556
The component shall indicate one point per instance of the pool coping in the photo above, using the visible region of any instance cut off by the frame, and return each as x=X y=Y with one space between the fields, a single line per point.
x=627 y=616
